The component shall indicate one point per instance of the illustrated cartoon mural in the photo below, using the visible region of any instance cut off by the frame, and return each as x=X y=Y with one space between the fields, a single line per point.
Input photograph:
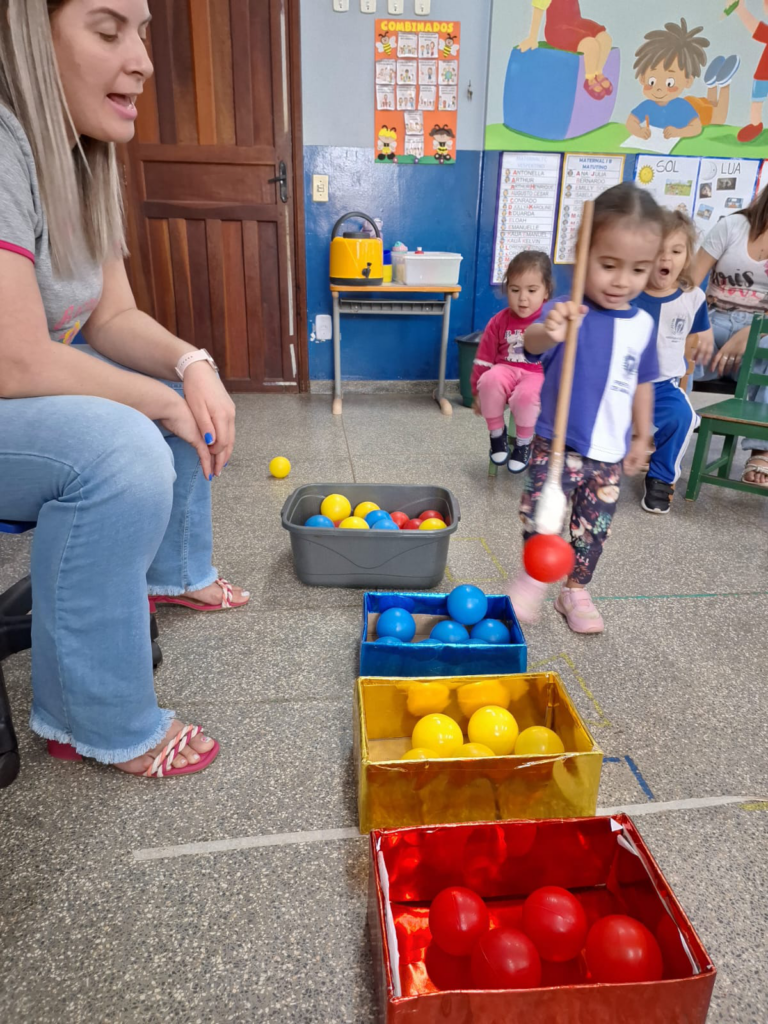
x=592 y=76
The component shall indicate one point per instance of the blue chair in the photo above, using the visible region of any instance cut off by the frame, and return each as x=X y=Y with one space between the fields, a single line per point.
x=15 y=636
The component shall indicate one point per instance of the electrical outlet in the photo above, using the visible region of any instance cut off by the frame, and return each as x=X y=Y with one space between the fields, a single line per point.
x=319 y=188
x=422 y=6
x=395 y=6
x=368 y=6
x=341 y=5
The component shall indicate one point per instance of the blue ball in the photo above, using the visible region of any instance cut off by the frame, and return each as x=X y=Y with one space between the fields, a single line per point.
x=491 y=631
x=387 y=640
x=449 y=632
x=396 y=622
x=319 y=521
x=474 y=640
x=384 y=524
x=467 y=604
x=375 y=515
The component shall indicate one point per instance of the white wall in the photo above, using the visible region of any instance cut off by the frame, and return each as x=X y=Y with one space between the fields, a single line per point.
x=337 y=53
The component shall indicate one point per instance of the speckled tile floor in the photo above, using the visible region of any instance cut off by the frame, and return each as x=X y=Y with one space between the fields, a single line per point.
x=91 y=933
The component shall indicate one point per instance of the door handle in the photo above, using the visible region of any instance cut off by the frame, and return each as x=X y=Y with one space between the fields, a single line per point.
x=282 y=180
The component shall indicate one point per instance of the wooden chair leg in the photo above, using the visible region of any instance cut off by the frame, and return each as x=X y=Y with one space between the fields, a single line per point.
x=699 y=460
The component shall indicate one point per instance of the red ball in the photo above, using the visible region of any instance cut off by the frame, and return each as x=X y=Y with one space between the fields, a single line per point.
x=448 y=973
x=400 y=518
x=505 y=958
x=457 y=919
x=621 y=949
x=431 y=514
x=548 y=558
x=412 y=524
x=555 y=922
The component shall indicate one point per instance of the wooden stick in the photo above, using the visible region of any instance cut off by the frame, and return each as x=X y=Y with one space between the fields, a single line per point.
x=551 y=505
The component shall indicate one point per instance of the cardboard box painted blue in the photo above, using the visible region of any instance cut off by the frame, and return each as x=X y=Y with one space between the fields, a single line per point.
x=425 y=657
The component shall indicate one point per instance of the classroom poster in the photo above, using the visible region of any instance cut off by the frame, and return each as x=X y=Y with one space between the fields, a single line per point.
x=762 y=177
x=725 y=186
x=597 y=76
x=417 y=91
x=585 y=176
x=526 y=207
x=672 y=181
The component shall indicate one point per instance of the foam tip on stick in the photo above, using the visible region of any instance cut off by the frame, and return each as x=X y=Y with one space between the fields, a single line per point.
x=550 y=508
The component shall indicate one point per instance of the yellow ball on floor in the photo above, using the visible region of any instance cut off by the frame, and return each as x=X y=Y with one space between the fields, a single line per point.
x=432 y=524
x=473 y=750
x=427 y=698
x=438 y=732
x=494 y=727
x=353 y=523
x=336 y=507
x=279 y=467
x=538 y=740
x=473 y=696
x=419 y=754
x=365 y=507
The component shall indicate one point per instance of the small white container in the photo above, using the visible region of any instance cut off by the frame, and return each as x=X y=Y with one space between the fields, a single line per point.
x=431 y=268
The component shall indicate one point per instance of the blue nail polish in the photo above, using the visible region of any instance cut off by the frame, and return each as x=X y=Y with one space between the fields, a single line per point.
x=210 y=477
x=208 y=438
x=225 y=465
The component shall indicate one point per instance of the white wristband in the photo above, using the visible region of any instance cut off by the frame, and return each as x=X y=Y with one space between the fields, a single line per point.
x=193 y=357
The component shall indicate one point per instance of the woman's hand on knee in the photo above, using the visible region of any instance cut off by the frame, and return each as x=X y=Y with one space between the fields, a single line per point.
x=183 y=424
x=728 y=359
x=213 y=410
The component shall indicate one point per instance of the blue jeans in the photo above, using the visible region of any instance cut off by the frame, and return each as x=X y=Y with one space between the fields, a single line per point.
x=725 y=323
x=123 y=509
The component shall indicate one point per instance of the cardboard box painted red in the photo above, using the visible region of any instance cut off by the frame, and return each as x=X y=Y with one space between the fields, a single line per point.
x=603 y=861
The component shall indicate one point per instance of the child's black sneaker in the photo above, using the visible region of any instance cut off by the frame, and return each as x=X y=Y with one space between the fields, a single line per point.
x=499 y=449
x=657 y=496
x=519 y=458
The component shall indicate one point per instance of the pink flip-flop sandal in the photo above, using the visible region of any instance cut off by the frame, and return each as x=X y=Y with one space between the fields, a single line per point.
x=198 y=606
x=162 y=766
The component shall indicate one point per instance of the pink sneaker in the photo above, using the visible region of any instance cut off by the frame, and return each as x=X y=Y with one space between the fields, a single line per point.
x=579 y=611
x=527 y=596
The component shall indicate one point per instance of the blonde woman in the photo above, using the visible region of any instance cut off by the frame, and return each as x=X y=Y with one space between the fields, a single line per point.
x=114 y=465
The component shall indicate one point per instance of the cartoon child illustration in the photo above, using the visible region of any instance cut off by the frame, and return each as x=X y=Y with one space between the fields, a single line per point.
x=387 y=143
x=565 y=29
x=667 y=63
x=759 y=32
x=442 y=140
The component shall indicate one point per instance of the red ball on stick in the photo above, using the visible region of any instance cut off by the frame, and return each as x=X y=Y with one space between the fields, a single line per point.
x=505 y=958
x=547 y=558
x=621 y=949
x=555 y=922
x=457 y=919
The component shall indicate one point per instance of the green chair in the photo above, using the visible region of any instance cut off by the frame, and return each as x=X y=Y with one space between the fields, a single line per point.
x=734 y=418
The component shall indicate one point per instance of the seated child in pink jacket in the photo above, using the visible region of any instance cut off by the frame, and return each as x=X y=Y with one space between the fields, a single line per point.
x=502 y=375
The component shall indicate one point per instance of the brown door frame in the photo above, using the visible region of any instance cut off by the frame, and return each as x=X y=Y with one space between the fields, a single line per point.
x=138 y=244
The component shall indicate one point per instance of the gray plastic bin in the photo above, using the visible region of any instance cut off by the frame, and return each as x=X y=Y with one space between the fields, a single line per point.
x=371 y=559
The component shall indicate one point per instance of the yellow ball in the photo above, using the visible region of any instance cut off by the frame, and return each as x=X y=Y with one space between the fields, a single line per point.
x=538 y=740
x=473 y=750
x=438 y=732
x=365 y=507
x=279 y=467
x=336 y=507
x=432 y=524
x=473 y=696
x=427 y=698
x=494 y=727
x=419 y=754
x=353 y=523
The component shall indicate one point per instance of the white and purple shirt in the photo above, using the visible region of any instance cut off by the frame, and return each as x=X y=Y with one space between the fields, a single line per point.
x=615 y=353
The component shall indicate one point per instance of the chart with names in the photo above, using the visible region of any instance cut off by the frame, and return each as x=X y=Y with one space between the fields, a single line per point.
x=526 y=206
x=585 y=176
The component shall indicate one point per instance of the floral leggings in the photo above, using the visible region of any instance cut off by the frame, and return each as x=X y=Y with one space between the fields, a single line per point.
x=594 y=490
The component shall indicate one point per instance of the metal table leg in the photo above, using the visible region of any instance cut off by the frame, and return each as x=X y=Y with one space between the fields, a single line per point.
x=445 y=406
x=336 y=356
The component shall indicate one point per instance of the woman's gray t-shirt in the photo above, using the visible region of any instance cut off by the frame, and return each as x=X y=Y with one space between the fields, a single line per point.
x=24 y=230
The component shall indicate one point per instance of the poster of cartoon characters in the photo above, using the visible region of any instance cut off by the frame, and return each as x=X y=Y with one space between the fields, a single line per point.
x=417 y=91
x=682 y=77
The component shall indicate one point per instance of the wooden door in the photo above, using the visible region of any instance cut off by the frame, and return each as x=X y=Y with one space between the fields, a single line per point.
x=216 y=250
